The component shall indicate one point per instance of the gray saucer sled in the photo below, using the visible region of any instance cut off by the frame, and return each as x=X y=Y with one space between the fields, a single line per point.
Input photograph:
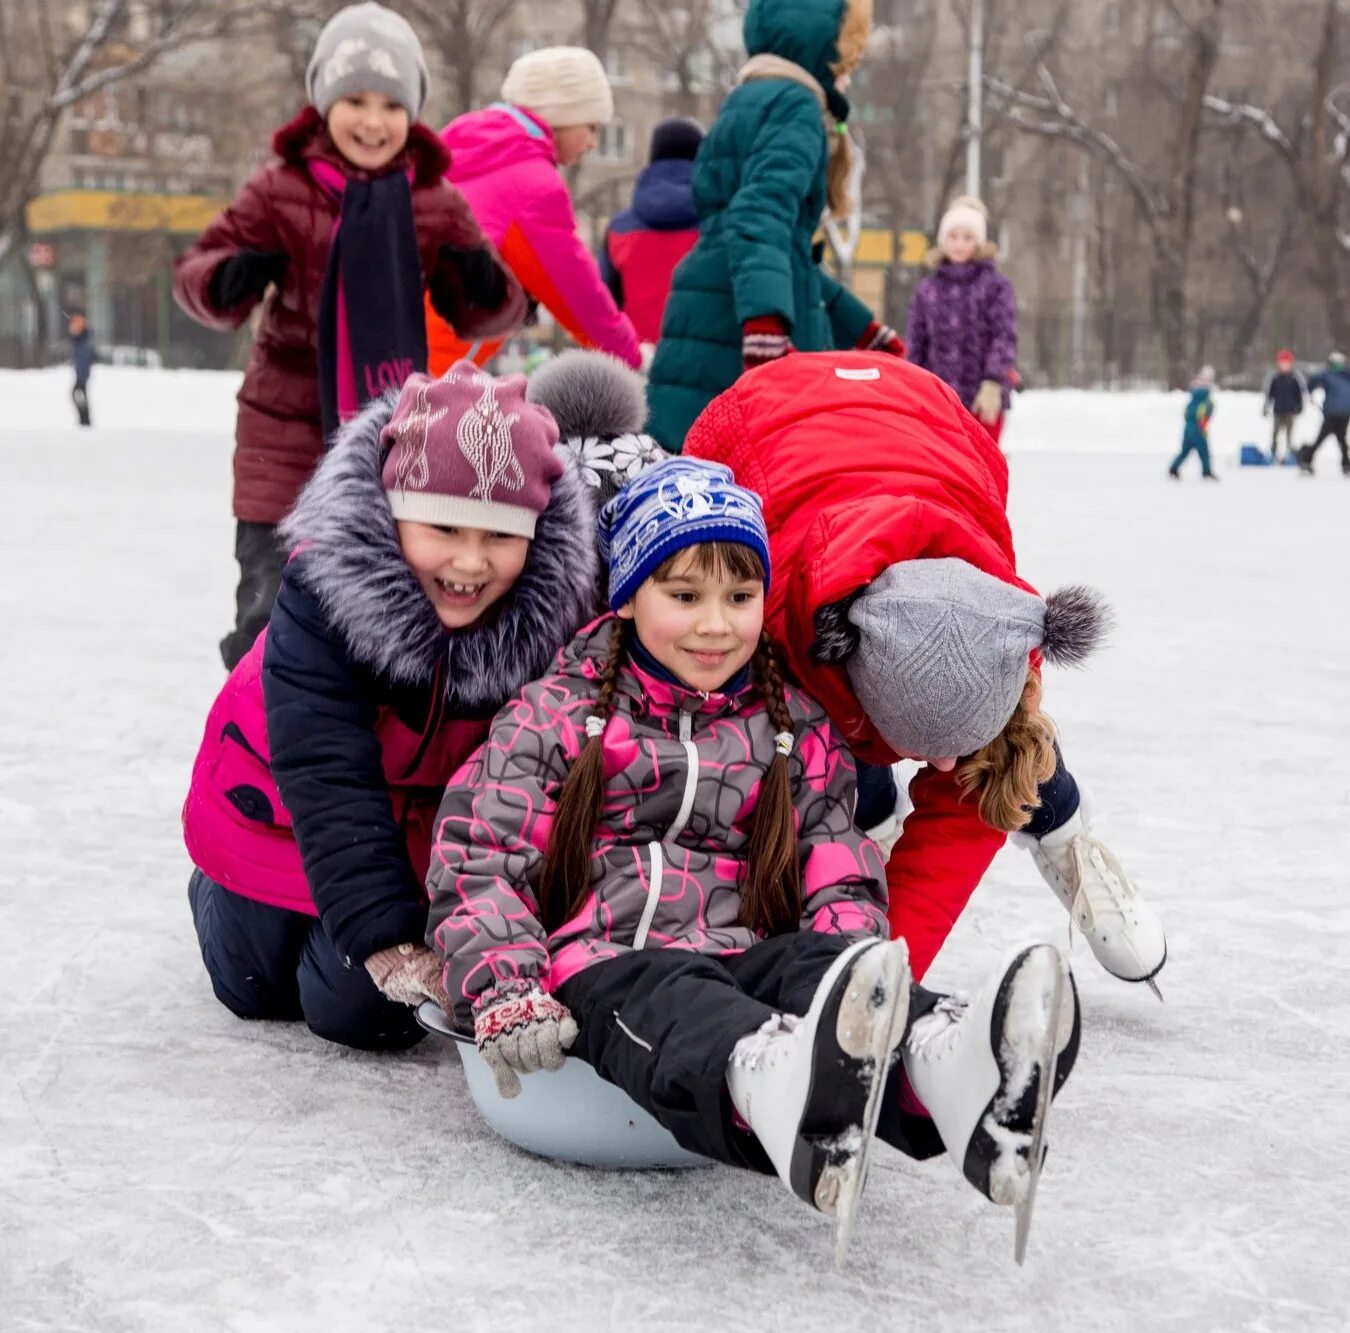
x=572 y=1115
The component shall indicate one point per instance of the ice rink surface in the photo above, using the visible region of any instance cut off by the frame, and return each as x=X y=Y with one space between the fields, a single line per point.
x=164 y=1166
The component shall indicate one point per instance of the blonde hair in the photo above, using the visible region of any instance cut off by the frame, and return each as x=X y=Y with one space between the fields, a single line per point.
x=1007 y=772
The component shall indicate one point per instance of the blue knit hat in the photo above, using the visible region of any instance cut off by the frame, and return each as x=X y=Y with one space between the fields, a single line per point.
x=676 y=504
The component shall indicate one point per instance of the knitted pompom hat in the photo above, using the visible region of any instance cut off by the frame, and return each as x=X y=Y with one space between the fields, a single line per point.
x=680 y=503
x=468 y=450
x=965 y=211
x=367 y=48
x=942 y=651
x=562 y=85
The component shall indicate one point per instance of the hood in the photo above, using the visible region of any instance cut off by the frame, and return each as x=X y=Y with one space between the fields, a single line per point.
x=499 y=136
x=353 y=565
x=306 y=135
x=945 y=271
x=663 y=197
x=1199 y=392
x=803 y=31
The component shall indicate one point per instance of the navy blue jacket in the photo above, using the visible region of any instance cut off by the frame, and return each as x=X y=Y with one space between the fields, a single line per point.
x=1285 y=392
x=1335 y=384
x=82 y=353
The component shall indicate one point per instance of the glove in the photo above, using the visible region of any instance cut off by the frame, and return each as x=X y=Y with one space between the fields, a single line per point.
x=520 y=1030
x=988 y=404
x=466 y=276
x=245 y=277
x=763 y=339
x=881 y=338
x=409 y=974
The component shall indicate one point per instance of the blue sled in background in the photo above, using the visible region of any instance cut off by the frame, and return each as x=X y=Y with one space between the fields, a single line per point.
x=1252 y=455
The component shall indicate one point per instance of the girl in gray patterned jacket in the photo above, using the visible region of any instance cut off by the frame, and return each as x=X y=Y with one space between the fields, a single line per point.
x=653 y=857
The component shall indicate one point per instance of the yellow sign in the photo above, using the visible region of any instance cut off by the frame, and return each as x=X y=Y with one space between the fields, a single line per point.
x=110 y=210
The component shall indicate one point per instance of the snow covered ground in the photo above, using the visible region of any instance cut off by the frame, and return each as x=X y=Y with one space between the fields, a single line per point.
x=165 y=1166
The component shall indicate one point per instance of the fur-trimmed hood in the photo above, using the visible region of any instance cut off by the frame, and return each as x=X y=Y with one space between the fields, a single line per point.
x=306 y=135
x=936 y=257
x=342 y=530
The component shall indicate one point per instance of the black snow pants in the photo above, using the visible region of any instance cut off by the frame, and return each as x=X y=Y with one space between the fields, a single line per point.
x=1333 y=426
x=261 y=561
x=662 y=1023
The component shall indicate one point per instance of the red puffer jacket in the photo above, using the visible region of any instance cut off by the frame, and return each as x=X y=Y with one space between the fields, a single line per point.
x=282 y=209
x=864 y=460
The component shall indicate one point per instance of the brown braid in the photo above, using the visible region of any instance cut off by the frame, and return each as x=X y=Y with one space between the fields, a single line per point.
x=771 y=901
x=565 y=881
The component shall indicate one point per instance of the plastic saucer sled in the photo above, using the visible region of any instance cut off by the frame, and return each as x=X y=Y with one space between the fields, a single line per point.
x=572 y=1115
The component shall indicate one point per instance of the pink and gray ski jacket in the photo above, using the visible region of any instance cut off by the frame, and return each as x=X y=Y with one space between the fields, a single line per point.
x=670 y=851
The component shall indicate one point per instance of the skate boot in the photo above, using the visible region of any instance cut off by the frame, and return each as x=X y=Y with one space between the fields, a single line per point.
x=987 y=1071
x=1125 y=933
x=810 y=1088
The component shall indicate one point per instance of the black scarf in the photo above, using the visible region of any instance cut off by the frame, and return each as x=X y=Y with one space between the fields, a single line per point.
x=375 y=261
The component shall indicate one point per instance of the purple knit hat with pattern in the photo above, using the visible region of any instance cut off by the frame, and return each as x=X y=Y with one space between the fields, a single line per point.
x=469 y=451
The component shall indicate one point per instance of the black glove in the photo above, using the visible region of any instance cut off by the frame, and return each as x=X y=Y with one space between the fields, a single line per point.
x=245 y=277
x=466 y=277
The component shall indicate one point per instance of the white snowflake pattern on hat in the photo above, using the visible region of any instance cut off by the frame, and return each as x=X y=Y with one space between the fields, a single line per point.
x=343 y=60
x=381 y=62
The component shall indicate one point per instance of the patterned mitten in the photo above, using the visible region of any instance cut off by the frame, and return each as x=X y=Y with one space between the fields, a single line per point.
x=763 y=339
x=988 y=404
x=881 y=338
x=520 y=1030
x=409 y=974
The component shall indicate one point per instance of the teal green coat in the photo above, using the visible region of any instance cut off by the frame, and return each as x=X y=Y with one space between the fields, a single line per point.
x=760 y=186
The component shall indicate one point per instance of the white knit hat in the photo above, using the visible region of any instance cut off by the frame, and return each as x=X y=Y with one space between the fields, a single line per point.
x=562 y=85
x=965 y=211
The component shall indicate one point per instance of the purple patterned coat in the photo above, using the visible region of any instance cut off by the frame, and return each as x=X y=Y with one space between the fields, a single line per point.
x=670 y=851
x=963 y=326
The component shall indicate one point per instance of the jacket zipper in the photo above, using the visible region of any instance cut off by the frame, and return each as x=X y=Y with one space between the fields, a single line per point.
x=655 y=849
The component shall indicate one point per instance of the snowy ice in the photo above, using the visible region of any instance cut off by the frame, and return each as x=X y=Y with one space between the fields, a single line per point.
x=164 y=1166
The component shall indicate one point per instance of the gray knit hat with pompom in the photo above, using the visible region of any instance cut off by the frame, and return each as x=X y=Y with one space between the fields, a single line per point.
x=941 y=651
x=368 y=48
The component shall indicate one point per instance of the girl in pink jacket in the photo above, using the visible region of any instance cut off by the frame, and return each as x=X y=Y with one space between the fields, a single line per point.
x=653 y=858
x=505 y=161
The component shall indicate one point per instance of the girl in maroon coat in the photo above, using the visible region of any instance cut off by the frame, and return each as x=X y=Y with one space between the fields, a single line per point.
x=348 y=228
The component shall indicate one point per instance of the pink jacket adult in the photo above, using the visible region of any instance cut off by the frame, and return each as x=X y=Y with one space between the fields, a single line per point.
x=504 y=162
x=684 y=770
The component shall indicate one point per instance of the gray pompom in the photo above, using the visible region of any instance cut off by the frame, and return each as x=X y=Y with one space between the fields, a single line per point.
x=590 y=393
x=1077 y=621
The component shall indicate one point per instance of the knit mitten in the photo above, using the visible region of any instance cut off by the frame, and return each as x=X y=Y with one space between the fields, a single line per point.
x=520 y=1030
x=409 y=974
x=245 y=277
x=988 y=404
x=465 y=276
x=881 y=338
x=763 y=339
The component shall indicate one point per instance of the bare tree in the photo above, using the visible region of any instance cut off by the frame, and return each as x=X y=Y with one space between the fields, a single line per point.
x=597 y=24
x=1315 y=153
x=463 y=33
x=1164 y=193
x=45 y=70
x=681 y=40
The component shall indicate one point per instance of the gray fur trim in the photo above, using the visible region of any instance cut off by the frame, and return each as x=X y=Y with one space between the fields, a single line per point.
x=590 y=393
x=353 y=564
x=1077 y=621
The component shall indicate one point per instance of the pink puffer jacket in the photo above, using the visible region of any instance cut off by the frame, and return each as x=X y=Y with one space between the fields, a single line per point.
x=684 y=771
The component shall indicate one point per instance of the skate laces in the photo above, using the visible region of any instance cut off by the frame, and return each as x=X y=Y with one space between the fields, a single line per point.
x=1097 y=883
x=767 y=1044
x=932 y=1036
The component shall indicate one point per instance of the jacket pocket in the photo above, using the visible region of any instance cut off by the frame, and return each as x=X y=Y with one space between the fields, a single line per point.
x=243 y=777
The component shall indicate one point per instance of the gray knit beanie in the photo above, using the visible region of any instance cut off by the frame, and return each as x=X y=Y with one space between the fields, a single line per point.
x=367 y=48
x=941 y=654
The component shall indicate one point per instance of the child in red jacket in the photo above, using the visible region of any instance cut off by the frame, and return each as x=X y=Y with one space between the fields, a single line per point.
x=347 y=229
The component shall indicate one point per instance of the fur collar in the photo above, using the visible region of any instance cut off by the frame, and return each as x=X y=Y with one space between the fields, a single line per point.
x=352 y=563
x=936 y=257
x=306 y=135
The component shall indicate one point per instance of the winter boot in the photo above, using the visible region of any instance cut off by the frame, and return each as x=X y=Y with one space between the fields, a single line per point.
x=987 y=1070
x=810 y=1088
x=1125 y=933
